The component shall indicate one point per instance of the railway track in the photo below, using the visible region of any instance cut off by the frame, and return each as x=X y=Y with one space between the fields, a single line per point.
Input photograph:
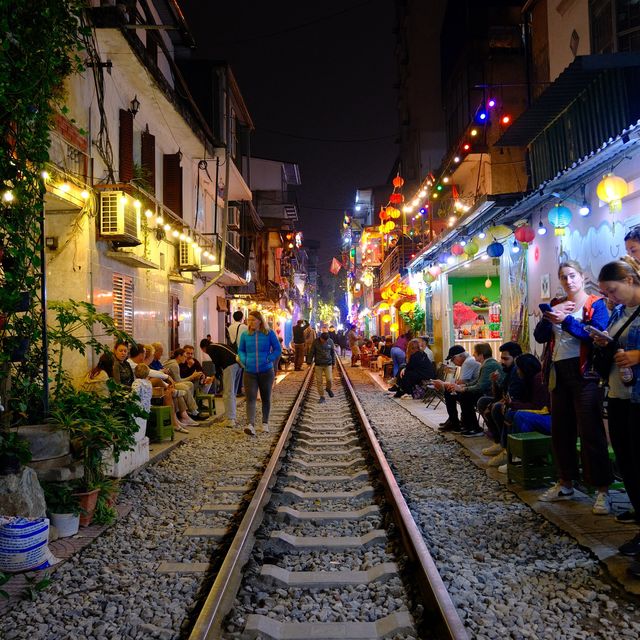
x=327 y=547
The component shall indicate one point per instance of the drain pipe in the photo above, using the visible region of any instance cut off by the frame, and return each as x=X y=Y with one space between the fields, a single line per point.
x=223 y=233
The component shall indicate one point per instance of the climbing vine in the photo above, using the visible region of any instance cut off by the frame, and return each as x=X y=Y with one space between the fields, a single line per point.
x=40 y=45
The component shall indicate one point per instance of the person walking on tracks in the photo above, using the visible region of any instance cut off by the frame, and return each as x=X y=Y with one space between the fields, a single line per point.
x=298 y=344
x=258 y=350
x=323 y=353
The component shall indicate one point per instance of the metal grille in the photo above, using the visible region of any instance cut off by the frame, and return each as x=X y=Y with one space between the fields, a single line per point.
x=123 y=302
x=109 y=213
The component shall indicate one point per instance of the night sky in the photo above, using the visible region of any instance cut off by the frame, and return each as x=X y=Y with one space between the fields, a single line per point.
x=315 y=70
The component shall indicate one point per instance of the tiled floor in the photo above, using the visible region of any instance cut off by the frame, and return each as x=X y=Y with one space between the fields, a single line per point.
x=602 y=534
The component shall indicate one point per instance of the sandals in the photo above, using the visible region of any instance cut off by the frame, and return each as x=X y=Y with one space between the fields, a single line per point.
x=180 y=429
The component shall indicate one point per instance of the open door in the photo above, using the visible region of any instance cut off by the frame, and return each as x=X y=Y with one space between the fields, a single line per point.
x=174 y=322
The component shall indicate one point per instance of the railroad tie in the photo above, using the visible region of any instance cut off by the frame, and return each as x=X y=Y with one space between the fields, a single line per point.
x=363 y=492
x=259 y=626
x=280 y=541
x=329 y=452
x=345 y=464
x=360 y=475
x=275 y=575
x=287 y=514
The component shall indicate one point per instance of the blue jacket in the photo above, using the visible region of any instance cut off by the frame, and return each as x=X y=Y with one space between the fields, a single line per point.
x=258 y=351
x=633 y=343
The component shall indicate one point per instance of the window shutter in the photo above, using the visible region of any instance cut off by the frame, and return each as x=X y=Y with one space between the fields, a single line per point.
x=126 y=146
x=123 y=302
x=152 y=46
x=148 y=159
x=172 y=182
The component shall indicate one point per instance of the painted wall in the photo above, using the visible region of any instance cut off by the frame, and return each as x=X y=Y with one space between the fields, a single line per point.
x=464 y=289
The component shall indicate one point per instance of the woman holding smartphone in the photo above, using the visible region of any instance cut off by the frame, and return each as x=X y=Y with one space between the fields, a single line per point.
x=575 y=399
x=620 y=282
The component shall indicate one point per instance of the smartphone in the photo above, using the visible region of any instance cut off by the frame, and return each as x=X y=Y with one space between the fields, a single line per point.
x=545 y=307
x=596 y=332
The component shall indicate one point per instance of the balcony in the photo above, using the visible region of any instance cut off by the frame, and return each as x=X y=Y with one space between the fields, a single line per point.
x=235 y=262
x=398 y=259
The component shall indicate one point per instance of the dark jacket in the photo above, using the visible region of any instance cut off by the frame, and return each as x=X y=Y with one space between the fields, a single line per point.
x=510 y=383
x=123 y=373
x=298 y=334
x=482 y=384
x=536 y=395
x=221 y=355
x=418 y=368
x=322 y=354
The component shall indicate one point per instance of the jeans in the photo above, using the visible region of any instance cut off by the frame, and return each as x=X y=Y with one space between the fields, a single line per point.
x=624 y=416
x=263 y=382
x=326 y=371
x=399 y=358
x=230 y=377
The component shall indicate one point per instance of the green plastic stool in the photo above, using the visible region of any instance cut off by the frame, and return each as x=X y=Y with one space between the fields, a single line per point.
x=159 y=427
x=535 y=467
x=209 y=400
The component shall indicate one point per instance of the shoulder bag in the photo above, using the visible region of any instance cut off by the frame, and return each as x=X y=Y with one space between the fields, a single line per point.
x=602 y=357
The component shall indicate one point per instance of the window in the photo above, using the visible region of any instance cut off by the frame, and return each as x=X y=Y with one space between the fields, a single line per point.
x=126 y=146
x=172 y=182
x=615 y=25
x=123 y=302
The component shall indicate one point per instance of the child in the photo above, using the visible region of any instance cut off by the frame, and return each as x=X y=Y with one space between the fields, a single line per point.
x=142 y=386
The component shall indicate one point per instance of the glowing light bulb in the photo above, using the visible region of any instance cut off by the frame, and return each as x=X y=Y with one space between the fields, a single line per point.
x=64 y=187
x=423 y=193
x=415 y=202
x=137 y=204
x=159 y=221
x=482 y=235
x=466 y=146
x=542 y=230
x=491 y=103
x=474 y=132
x=463 y=243
x=84 y=194
x=148 y=213
x=515 y=248
x=206 y=254
x=456 y=159
x=451 y=260
x=584 y=210
x=8 y=196
x=182 y=237
x=124 y=199
x=175 y=233
x=505 y=119
x=45 y=175
x=167 y=227
x=445 y=180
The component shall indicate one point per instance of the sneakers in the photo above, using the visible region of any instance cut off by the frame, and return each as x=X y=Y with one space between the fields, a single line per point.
x=472 y=433
x=493 y=450
x=249 y=430
x=398 y=394
x=557 y=492
x=627 y=517
x=502 y=468
x=601 y=506
x=631 y=548
x=498 y=460
x=322 y=400
x=330 y=393
x=393 y=388
x=230 y=424
x=200 y=417
x=265 y=427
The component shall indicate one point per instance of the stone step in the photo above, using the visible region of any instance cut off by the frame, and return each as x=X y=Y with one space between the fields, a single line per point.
x=360 y=475
x=259 y=626
x=272 y=574
x=288 y=513
x=280 y=540
x=363 y=492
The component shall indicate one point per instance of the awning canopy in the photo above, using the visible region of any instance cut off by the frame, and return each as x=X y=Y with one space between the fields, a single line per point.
x=564 y=90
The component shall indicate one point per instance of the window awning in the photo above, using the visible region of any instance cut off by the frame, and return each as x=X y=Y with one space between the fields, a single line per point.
x=564 y=90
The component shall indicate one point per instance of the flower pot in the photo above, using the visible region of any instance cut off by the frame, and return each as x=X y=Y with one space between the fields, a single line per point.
x=88 y=501
x=9 y=464
x=67 y=524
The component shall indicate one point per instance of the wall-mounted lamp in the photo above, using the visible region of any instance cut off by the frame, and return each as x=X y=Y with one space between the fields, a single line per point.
x=135 y=106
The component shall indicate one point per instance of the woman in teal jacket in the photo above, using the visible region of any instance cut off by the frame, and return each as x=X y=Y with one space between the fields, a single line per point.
x=259 y=348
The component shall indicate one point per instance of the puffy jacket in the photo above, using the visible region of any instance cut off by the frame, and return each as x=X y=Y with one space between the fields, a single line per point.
x=258 y=351
x=323 y=354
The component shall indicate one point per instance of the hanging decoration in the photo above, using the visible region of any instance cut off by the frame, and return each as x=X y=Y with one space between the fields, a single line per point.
x=611 y=189
x=457 y=249
x=394 y=327
x=383 y=306
x=398 y=182
x=428 y=277
x=499 y=232
x=495 y=250
x=524 y=233
x=559 y=218
x=405 y=307
x=386 y=317
x=471 y=248
x=435 y=270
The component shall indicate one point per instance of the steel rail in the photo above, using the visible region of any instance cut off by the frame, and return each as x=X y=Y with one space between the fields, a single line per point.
x=444 y=617
x=227 y=581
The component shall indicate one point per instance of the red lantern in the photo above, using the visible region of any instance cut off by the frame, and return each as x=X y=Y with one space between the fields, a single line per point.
x=398 y=182
x=383 y=214
x=396 y=198
x=457 y=249
x=525 y=233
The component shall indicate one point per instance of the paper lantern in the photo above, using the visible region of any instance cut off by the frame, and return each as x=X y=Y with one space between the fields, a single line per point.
x=394 y=327
x=471 y=248
x=457 y=249
x=405 y=307
x=559 y=217
x=386 y=317
x=390 y=226
x=611 y=189
x=499 y=232
x=428 y=277
x=398 y=182
x=524 y=233
x=435 y=271
x=383 y=306
x=384 y=295
x=396 y=198
x=383 y=214
x=443 y=257
x=495 y=250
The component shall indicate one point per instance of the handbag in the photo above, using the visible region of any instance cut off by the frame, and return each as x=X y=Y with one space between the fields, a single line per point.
x=602 y=357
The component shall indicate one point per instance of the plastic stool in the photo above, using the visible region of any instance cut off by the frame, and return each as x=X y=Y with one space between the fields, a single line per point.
x=209 y=400
x=159 y=427
x=535 y=467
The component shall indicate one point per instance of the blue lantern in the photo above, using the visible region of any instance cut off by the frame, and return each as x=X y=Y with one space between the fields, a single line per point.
x=559 y=217
x=443 y=257
x=495 y=250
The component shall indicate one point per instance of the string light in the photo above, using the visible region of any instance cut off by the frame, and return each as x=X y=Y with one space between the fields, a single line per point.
x=8 y=196
x=159 y=221
x=84 y=194
x=148 y=213
x=542 y=230
x=137 y=204
x=456 y=159
x=64 y=187
x=167 y=227
x=175 y=233
x=45 y=175
x=482 y=235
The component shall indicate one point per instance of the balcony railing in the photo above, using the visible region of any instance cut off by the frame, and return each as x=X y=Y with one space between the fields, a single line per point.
x=235 y=262
x=67 y=156
x=398 y=259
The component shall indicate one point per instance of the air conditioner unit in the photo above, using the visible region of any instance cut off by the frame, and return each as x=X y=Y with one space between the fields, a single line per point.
x=119 y=219
x=234 y=218
x=233 y=238
x=188 y=258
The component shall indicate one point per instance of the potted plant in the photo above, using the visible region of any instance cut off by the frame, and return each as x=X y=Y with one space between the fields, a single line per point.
x=14 y=452
x=64 y=508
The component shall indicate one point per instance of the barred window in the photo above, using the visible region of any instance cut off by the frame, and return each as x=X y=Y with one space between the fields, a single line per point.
x=123 y=302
